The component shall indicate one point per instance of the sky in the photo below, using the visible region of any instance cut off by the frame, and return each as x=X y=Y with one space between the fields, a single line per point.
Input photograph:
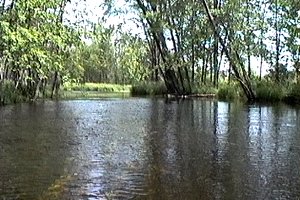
x=91 y=10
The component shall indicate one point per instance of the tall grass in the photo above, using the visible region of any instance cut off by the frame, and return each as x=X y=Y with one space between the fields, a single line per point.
x=8 y=93
x=204 y=89
x=293 y=94
x=265 y=91
x=229 y=91
x=269 y=91
x=148 y=88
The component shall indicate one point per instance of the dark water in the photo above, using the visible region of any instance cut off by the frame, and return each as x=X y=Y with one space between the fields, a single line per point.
x=149 y=149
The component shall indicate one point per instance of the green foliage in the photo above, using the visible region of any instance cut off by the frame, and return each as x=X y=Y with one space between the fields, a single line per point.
x=132 y=57
x=148 y=88
x=98 y=58
x=9 y=94
x=269 y=91
x=34 y=44
x=109 y=60
x=229 y=92
x=293 y=94
x=204 y=89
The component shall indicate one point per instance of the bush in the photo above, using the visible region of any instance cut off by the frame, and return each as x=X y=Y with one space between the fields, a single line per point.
x=148 y=88
x=269 y=91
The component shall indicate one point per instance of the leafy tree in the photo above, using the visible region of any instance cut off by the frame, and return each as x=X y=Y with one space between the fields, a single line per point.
x=34 y=43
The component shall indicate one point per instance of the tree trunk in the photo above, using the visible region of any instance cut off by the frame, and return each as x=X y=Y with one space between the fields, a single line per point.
x=243 y=80
x=55 y=84
x=3 y=7
x=277 y=43
x=248 y=38
x=37 y=91
x=216 y=49
x=169 y=75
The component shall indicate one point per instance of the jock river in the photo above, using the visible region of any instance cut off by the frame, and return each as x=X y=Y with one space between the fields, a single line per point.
x=142 y=148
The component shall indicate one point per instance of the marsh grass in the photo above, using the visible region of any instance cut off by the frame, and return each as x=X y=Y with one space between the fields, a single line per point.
x=148 y=88
x=293 y=94
x=229 y=92
x=8 y=93
x=270 y=91
x=205 y=89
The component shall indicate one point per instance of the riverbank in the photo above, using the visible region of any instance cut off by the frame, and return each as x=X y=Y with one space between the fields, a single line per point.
x=94 y=90
x=265 y=91
x=98 y=87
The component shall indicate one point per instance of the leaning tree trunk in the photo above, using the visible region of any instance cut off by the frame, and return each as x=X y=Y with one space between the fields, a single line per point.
x=243 y=78
x=170 y=78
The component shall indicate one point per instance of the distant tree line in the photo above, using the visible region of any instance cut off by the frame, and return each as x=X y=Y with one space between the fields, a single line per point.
x=185 y=44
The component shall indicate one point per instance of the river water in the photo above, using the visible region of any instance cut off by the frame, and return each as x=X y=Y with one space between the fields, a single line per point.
x=139 y=148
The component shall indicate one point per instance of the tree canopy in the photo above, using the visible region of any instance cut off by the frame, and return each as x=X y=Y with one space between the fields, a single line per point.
x=186 y=44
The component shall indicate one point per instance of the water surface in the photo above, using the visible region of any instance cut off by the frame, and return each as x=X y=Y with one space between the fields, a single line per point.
x=148 y=149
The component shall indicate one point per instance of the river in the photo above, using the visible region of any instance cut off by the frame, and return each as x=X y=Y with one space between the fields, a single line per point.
x=139 y=148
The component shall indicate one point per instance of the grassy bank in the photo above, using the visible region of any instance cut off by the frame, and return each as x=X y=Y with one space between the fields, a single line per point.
x=293 y=94
x=270 y=92
x=148 y=88
x=97 y=87
x=265 y=91
x=94 y=90
x=9 y=94
x=230 y=92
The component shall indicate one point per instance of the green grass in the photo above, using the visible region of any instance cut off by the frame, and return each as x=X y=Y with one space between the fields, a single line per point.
x=98 y=87
x=8 y=93
x=293 y=94
x=94 y=90
x=269 y=91
x=229 y=92
x=204 y=89
x=148 y=88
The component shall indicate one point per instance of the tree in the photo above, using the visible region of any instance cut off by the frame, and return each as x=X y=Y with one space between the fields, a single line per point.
x=234 y=59
x=34 y=45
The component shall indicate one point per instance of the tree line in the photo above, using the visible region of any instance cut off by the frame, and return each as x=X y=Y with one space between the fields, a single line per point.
x=202 y=34
x=186 y=44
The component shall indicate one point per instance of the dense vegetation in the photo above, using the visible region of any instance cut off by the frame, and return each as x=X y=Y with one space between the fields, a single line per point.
x=189 y=46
